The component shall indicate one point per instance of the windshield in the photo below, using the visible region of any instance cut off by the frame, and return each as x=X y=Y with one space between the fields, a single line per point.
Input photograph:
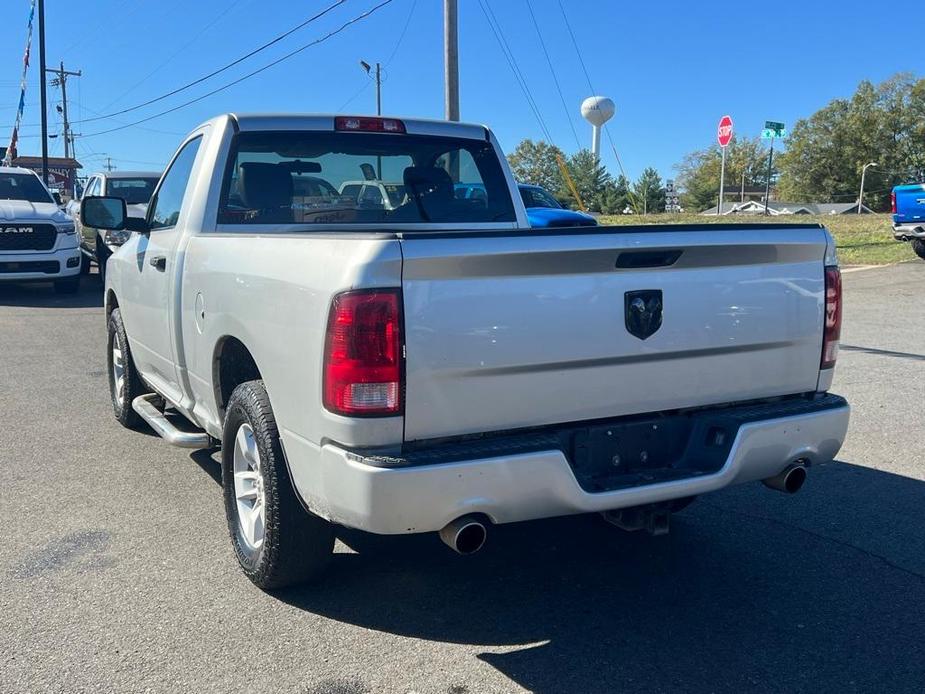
x=22 y=186
x=361 y=178
x=538 y=197
x=135 y=191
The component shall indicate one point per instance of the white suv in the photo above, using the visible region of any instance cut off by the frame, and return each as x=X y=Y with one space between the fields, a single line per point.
x=37 y=239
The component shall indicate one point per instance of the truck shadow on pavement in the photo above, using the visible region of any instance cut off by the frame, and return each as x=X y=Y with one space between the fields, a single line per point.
x=43 y=295
x=752 y=591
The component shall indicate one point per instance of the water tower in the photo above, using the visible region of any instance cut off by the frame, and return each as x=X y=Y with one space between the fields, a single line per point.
x=597 y=110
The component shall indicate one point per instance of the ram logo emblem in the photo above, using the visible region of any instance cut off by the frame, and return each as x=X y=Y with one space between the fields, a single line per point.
x=643 y=312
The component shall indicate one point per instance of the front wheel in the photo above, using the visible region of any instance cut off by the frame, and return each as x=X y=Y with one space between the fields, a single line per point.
x=276 y=541
x=102 y=256
x=124 y=382
x=918 y=245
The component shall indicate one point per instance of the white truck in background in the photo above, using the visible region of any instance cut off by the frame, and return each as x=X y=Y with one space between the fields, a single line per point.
x=438 y=365
x=38 y=242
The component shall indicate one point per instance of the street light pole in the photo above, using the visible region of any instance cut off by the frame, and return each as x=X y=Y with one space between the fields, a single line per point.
x=861 y=194
x=767 y=186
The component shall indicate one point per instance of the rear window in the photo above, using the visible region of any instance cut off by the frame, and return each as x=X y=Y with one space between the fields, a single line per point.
x=361 y=178
x=537 y=197
x=135 y=191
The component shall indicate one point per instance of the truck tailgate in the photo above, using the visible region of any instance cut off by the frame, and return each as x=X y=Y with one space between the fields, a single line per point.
x=505 y=331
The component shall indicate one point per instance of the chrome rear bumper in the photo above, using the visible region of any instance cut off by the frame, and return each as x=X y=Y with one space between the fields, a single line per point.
x=360 y=492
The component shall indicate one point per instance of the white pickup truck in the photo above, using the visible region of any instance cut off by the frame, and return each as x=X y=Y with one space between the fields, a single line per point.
x=440 y=366
x=38 y=242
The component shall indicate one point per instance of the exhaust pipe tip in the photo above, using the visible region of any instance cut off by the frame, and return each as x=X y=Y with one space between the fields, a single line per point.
x=465 y=535
x=790 y=481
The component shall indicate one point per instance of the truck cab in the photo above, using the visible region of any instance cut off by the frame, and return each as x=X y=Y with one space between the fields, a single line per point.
x=38 y=242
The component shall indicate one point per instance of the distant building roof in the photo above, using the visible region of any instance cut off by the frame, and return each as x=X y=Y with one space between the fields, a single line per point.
x=53 y=162
x=778 y=208
x=129 y=174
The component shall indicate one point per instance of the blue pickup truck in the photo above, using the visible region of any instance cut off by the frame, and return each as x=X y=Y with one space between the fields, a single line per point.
x=909 y=216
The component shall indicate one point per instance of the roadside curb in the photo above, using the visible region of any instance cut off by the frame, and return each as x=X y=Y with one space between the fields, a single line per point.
x=858 y=268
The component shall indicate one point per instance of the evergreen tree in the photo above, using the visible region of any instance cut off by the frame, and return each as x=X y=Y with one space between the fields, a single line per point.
x=590 y=178
x=649 y=192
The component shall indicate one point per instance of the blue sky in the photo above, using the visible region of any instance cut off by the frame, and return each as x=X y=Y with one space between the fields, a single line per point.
x=673 y=68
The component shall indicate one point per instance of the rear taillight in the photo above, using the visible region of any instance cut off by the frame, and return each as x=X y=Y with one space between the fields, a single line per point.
x=833 y=309
x=363 y=354
x=369 y=124
x=893 y=201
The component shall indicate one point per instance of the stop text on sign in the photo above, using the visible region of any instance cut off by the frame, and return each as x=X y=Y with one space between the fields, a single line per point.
x=724 y=131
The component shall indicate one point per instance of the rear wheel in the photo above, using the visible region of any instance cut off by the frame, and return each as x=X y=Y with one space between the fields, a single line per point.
x=918 y=245
x=276 y=541
x=124 y=382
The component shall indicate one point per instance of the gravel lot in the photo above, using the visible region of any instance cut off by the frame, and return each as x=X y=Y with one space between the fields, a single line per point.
x=117 y=574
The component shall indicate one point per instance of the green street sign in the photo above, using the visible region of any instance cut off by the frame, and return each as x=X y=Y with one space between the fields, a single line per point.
x=773 y=125
x=770 y=134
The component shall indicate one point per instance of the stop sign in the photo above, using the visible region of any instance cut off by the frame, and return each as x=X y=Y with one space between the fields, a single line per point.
x=724 y=131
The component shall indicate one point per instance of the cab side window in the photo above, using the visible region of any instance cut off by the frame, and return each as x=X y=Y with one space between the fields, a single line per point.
x=168 y=201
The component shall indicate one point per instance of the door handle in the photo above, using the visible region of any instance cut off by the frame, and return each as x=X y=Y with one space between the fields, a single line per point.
x=159 y=262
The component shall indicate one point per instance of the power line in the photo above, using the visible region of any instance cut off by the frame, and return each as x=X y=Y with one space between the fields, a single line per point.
x=388 y=61
x=512 y=63
x=327 y=36
x=173 y=55
x=584 y=69
x=230 y=65
x=401 y=36
x=575 y=44
x=552 y=71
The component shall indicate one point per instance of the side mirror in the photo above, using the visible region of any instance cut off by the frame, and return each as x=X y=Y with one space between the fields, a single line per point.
x=109 y=213
x=57 y=196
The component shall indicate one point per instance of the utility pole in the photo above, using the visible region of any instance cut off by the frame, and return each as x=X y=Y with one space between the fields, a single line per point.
x=451 y=59
x=378 y=89
x=41 y=8
x=60 y=80
x=861 y=194
x=742 y=193
x=369 y=71
x=366 y=66
x=109 y=166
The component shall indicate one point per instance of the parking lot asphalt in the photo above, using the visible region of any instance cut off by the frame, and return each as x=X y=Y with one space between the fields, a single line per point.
x=116 y=573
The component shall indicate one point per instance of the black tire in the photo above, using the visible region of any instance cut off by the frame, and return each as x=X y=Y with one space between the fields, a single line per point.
x=102 y=256
x=71 y=285
x=297 y=546
x=132 y=385
x=918 y=245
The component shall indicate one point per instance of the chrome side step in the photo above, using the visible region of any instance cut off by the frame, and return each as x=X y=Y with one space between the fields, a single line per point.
x=145 y=408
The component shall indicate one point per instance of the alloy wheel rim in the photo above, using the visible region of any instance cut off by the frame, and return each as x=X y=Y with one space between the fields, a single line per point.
x=118 y=369
x=248 y=487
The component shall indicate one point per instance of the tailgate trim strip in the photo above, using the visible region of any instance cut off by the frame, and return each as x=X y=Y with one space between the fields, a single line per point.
x=627 y=359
